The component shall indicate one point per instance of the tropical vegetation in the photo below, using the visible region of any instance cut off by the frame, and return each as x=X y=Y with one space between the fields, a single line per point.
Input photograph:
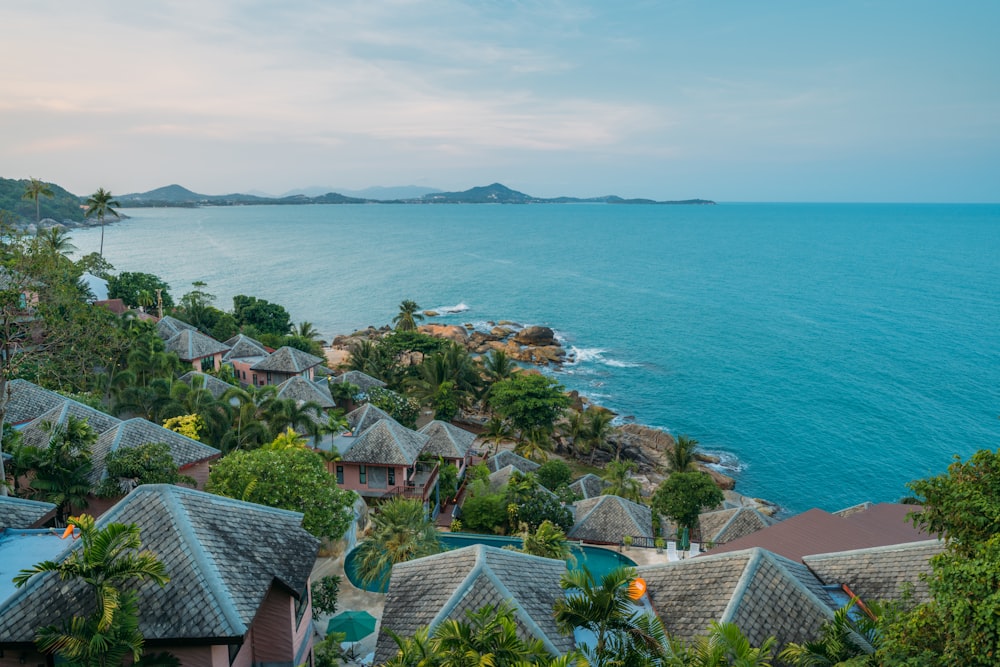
x=401 y=531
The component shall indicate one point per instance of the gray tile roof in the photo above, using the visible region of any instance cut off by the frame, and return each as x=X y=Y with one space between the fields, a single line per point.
x=427 y=591
x=721 y=526
x=168 y=327
x=27 y=401
x=878 y=573
x=302 y=390
x=386 y=442
x=287 y=360
x=447 y=440
x=242 y=347
x=505 y=458
x=763 y=593
x=501 y=478
x=191 y=344
x=135 y=432
x=213 y=384
x=609 y=519
x=222 y=555
x=588 y=486
x=362 y=381
x=36 y=432
x=22 y=513
x=363 y=417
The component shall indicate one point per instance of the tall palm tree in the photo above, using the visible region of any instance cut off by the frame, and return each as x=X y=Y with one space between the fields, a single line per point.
x=107 y=560
x=35 y=189
x=497 y=430
x=62 y=474
x=490 y=637
x=604 y=609
x=407 y=318
x=100 y=204
x=401 y=531
x=681 y=457
x=55 y=241
x=618 y=475
x=535 y=445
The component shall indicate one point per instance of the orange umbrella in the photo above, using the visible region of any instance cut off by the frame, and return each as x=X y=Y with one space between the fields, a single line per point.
x=637 y=588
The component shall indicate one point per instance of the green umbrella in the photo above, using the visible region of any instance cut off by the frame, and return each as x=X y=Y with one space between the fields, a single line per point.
x=356 y=625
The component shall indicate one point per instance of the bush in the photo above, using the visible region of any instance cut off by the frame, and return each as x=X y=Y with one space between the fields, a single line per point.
x=553 y=474
x=324 y=594
x=485 y=514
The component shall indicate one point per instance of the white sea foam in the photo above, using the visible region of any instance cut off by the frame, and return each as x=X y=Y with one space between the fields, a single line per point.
x=459 y=308
x=621 y=364
x=728 y=462
x=585 y=354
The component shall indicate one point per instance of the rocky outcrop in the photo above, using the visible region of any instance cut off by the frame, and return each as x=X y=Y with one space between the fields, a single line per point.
x=536 y=337
x=449 y=331
x=648 y=448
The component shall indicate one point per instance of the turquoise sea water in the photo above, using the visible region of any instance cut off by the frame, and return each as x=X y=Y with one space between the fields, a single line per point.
x=834 y=351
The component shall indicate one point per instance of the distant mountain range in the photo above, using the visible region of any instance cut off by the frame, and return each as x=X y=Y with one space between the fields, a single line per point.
x=178 y=196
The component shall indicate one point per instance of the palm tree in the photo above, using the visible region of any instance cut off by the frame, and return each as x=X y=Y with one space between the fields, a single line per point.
x=548 y=541
x=497 y=430
x=536 y=445
x=843 y=641
x=681 y=457
x=100 y=204
x=605 y=610
x=576 y=428
x=144 y=299
x=618 y=475
x=726 y=645
x=55 y=241
x=343 y=393
x=108 y=559
x=305 y=330
x=598 y=430
x=401 y=531
x=408 y=316
x=62 y=474
x=490 y=637
x=35 y=189
x=284 y=413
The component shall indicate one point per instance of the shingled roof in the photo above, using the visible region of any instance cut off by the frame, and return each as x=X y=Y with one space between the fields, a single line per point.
x=386 y=442
x=721 y=526
x=287 y=360
x=362 y=381
x=878 y=573
x=22 y=513
x=588 y=486
x=302 y=390
x=427 y=591
x=37 y=432
x=223 y=556
x=168 y=327
x=363 y=417
x=135 y=432
x=505 y=458
x=28 y=400
x=763 y=593
x=501 y=478
x=191 y=344
x=243 y=347
x=447 y=440
x=609 y=519
x=214 y=385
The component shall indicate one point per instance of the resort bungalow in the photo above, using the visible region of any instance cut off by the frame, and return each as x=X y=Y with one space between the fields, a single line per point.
x=243 y=353
x=588 y=486
x=238 y=594
x=450 y=443
x=284 y=363
x=382 y=462
x=195 y=348
x=609 y=520
x=505 y=458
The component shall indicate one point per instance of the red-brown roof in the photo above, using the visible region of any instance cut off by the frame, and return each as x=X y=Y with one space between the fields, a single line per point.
x=818 y=532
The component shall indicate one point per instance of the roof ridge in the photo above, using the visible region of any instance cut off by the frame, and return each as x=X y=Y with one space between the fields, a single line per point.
x=752 y=564
x=460 y=588
x=519 y=609
x=886 y=548
x=776 y=560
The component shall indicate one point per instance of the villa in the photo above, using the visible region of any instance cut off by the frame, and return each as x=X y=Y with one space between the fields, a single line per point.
x=505 y=458
x=195 y=348
x=609 y=520
x=284 y=363
x=450 y=443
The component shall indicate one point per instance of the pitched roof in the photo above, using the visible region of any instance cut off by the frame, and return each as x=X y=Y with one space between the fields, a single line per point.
x=36 y=433
x=762 y=592
x=223 y=556
x=362 y=381
x=168 y=327
x=214 y=385
x=721 y=526
x=242 y=347
x=29 y=401
x=447 y=440
x=363 y=417
x=878 y=573
x=816 y=532
x=287 y=360
x=302 y=390
x=609 y=519
x=505 y=458
x=427 y=591
x=588 y=486
x=135 y=432
x=22 y=513
x=501 y=478
x=191 y=344
x=386 y=442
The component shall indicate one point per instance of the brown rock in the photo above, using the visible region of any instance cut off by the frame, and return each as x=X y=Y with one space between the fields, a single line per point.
x=536 y=336
x=449 y=331
x=431 y=313
x=501 y=332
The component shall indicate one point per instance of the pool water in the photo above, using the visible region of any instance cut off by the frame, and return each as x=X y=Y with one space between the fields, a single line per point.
x=598 y=560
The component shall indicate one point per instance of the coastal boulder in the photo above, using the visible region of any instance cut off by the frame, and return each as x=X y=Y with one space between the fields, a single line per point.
x=536 y=336
x=449 y=331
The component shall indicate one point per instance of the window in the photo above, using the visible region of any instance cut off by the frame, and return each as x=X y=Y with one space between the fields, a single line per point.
x=340 y=474
x=208 y=363
x=269 y=377
x=392 y=477
x=255 y=379
x=363 y=474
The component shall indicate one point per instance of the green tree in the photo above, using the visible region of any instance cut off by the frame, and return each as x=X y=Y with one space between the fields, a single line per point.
x=149 y=463
x=62 y=474
x=497 y=431
x=344 y=393
x=724 y=646
x=604 y=609
x=407 y=318
x=528 y=401
x=448 y=480
x=401 y=531
x=291 y=479
x=535 y=444
x=485 y=513
x=680 y=458
x=108 y=559
x=127 y=286
x=682 y=496
x=843 y=641
x=305 y=330
x=399 y=407
x=55 y=241
x=35 y=189
x=325 y=593
x=548 y=541
x=264 y=316
x=553 y=474
x=618 y=475
x=100 y=204
x=535 y=504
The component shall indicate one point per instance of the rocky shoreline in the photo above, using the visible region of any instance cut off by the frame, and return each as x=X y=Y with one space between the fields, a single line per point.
x=539 y=346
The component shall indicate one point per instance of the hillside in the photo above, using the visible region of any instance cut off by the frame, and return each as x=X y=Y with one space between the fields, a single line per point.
x=64 y=206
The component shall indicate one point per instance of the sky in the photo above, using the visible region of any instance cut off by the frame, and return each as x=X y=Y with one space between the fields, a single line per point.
x=853 y=101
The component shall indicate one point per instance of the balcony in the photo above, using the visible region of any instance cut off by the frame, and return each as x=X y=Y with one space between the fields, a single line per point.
x=420 y=484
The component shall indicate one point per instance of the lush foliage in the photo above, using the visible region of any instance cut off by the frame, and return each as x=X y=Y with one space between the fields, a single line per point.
x=618 y=475
x=292 y=479
x=486 y=513
x=264 y=316
x=553 y=474
x=128 y=467
x=399 y=407
x=534 y=504
x=683 y=495
x=401 y=531
x=407 y=318
x=62 y=468
x=139 y=289
x=62 y=205
x=528 y=401
x=325 y=593
x=548 y=541
x=448 y=480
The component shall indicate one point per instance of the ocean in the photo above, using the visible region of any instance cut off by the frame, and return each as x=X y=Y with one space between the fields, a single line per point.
x=829 y=352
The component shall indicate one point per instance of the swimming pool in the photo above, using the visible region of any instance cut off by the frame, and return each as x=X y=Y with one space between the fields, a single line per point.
x=598 y=560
